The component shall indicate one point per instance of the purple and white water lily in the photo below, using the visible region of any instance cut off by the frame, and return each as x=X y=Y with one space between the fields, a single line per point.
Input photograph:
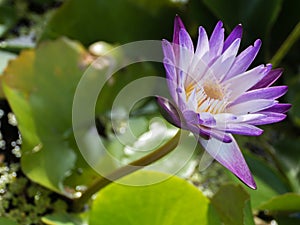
x=214 y=96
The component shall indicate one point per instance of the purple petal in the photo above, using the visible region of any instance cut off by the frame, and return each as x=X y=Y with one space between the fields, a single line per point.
x=271 y=117
x=269 y=79
x=213 y=133
x=186 y=51
x=193 y=123
x=191 y=117
x=263 y=93
x=230 y=156
x=235 y=34
x=170 y=113
x=204 y=119
x=216 y=40
x=185 y=40
x=168 y=50
x=170 y=69
x=171 y=78
x=278 y=108
x=178 y=25
x=244 y=60
x=207 y=119
x=243 y=129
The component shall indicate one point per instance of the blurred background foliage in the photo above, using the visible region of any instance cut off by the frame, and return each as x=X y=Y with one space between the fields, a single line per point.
x=45 y=47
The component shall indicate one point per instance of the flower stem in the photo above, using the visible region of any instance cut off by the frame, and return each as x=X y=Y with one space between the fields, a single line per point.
x=287 y=44
x=102 y=182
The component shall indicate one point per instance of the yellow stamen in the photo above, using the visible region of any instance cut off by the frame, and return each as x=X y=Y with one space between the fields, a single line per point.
x=210 y=96
x=213 y=90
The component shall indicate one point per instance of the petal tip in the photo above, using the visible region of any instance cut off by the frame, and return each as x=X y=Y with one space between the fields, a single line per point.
x=257 y=43
x=178 y=25
x=219 y=24
x=252 y=185
x=247 y=179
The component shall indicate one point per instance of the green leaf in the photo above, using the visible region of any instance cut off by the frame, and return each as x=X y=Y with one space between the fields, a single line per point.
x=112 y=21
x=62 y=219
x=287 y=219
x=5 y=57
x=173 y=201
x=287 y=152
x=287 y=20
x=293 y=96
x=8 y=18
x=269 y=182
x=40 y=86
x=285 y=202
x=118 y=81
x=256 y=16
x=6 y=221
x=232 y=203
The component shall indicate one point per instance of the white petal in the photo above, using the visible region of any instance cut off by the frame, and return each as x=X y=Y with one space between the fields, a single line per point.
x=251 y=106
x=241 y=83
x=186 y=52
x=192 y=101
x=202 y=44
x=225 y=61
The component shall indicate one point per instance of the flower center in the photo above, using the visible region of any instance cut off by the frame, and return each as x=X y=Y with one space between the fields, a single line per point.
x=213 y=90
x=210 y=96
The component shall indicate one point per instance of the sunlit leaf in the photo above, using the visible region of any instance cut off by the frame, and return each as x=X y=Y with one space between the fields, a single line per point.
x=173 y=201
x=62 y=219
x=5 y=57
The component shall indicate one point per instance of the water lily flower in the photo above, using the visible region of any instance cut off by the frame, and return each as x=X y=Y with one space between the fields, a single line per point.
x=214 y=96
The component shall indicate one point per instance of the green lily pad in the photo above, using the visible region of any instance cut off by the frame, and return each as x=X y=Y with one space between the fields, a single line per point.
x=232 y=203
x=285 y=202
x=40 y=86
x=173 y=201
x=269 y=182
